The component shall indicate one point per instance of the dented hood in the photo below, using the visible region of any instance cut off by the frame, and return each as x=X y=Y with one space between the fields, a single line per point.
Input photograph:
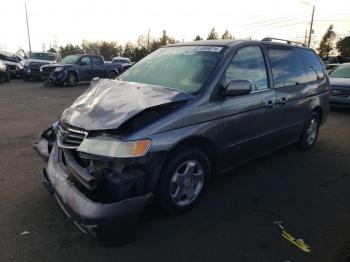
x=107 y=104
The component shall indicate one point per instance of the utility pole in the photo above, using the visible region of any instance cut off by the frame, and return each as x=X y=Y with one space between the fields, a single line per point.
x=305 y=38
x=148 y=39
x=311 y=24
x=30 y=47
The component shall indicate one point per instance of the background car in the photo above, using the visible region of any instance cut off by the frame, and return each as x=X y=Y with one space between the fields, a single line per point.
x=35 y=61
x=13 y=63
x=123 y=61
x=340 y=86
x=330 y=67
x=4 y=74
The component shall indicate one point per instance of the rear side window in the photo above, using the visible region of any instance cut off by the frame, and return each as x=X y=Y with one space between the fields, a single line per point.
x=97 y=60
x=248 y=64
x=86 y=60
x=286 y=66
x=313 y=68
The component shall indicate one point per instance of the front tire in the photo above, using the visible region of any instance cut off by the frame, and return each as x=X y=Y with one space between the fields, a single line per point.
x=71 y=79
x=183 y=179
x=310 y=133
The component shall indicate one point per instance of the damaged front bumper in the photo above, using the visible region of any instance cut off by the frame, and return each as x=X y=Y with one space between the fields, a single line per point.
x=114 y=222
x=56 y=78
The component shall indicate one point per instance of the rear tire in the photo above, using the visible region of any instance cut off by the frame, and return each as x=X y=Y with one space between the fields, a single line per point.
x=310 y=133
x=71 y=79
x=183 y=180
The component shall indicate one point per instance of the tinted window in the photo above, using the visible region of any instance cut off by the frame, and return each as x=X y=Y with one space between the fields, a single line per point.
x=97 y=60
x=248 y=64
x=312 y=66
x=286 y=66
x=71 y=59
x=86 y=59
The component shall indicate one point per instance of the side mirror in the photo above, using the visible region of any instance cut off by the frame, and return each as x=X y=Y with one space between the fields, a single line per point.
x=238 y=88
x=83 y=63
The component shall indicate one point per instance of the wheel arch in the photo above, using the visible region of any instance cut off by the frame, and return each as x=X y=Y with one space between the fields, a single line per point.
x=202 y=143
x=75 y=72
x=318 y=109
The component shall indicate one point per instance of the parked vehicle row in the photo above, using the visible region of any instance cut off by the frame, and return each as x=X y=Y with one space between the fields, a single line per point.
x=182 y=114
x=70 y=70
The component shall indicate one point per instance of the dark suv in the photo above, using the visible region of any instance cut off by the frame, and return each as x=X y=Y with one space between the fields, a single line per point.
x=184 y=113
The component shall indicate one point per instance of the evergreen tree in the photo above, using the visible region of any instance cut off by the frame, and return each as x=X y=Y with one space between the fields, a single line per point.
x=227 y=35
x=213 y=34
x=343 y=46
x=198 y=38
x=327 y=43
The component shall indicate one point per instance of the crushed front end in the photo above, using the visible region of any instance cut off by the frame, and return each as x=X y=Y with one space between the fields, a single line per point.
x=54 y=75
x=103 y=197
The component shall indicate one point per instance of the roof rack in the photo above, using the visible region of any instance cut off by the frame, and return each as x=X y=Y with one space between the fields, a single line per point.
x=279 y=39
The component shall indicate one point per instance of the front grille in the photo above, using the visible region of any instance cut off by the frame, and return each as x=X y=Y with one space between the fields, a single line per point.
x=47 y=70
x=340 y=92
x=11 y=67
x=69 y=137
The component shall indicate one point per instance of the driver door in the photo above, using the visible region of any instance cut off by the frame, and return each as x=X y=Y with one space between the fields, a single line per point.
x=249 y=121
x=85 y=68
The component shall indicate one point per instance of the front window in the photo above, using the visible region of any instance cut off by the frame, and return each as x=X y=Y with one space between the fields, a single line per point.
x=71 y=59
x=185 y=68
x=43 y=56
x=342 y=71
x=248 y=64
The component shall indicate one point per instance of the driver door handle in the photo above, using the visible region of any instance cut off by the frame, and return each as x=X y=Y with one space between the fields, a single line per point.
x=269 y=104
x=282 y=100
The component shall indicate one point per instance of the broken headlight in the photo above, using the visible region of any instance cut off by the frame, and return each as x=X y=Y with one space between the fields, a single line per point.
x=111 y=147
x=58 y=69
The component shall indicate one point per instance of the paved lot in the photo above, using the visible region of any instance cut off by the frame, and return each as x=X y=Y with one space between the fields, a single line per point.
x=308 y=191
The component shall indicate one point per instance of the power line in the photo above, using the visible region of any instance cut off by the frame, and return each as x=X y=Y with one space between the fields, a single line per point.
x=270 y=20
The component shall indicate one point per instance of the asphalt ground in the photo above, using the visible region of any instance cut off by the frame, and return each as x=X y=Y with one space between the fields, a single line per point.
x=308 y=191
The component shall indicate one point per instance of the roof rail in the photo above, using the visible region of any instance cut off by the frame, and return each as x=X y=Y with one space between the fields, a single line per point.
x=279 y=39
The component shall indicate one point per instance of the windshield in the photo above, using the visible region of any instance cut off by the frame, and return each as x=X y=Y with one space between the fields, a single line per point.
x=43 y=56
x=71 y=59
x=185 y=68
x=342 y=71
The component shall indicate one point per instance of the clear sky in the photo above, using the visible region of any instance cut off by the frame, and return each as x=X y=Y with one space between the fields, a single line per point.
x=124 y=20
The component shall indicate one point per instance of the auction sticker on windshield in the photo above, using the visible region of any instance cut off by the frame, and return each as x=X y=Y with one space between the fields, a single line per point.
x=215 y=49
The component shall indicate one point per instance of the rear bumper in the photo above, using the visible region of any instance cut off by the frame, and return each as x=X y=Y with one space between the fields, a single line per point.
x=339 y=101
x=111 y=222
